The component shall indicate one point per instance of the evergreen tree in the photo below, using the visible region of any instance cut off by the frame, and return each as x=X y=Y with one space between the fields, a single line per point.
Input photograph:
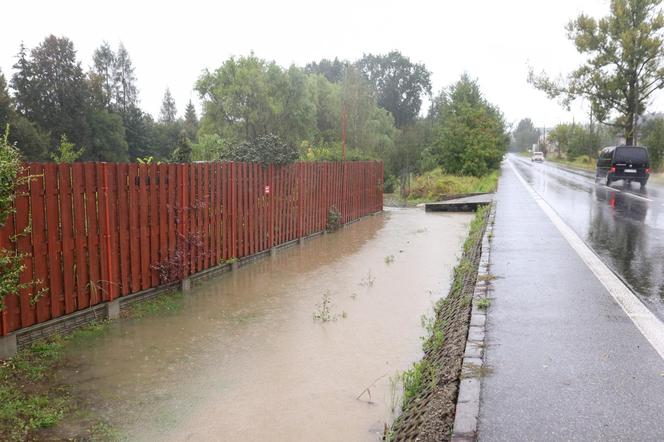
x=139 y=133
x=21 y=81
x=168 y=111
x=102 y=76
x=51 y=90
x=191 y=122
x=27 y=136
x=126 y=93
x=182 y=153
x=5 y=103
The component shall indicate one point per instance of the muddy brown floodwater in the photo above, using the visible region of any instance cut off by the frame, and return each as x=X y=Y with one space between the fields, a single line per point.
x=245 y=360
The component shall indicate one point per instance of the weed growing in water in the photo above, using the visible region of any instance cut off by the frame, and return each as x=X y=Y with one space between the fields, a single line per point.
x=368 y=390
x=167 y=303
x=368 y=281
x=333 y=219
x=395 y=391
x=323 y=311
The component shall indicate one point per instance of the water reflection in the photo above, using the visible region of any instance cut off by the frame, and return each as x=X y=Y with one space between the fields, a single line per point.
x=617 y=232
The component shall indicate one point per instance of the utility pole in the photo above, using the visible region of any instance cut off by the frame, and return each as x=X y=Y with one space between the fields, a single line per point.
x=344 y=120
x=636 y=116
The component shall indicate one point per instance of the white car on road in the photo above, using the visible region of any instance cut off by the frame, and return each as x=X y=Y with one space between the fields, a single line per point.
x=537 y=156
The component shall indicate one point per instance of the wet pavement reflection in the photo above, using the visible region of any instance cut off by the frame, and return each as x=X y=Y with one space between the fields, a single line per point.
x=623 y=224
x=244 y=358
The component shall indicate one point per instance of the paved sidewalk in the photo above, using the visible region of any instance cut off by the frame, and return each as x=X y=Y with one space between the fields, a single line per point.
x=564 y=361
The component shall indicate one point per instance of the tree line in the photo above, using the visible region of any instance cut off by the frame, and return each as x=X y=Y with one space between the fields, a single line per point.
x=253 y=109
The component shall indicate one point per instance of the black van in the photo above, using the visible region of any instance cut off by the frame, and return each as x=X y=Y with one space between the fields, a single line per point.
x=628 y=163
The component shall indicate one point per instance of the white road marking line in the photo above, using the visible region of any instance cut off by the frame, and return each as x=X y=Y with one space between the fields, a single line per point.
x=637 y=196
x=647 y=323
x=612 y=189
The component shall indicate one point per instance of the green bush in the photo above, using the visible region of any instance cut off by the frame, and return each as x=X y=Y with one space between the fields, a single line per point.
x=11 y=262
x=266 y=149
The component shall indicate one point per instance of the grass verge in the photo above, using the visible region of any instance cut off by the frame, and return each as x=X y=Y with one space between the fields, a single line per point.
x=430 y=386
x=582 y=162
x=32 y=402
x=434 y=185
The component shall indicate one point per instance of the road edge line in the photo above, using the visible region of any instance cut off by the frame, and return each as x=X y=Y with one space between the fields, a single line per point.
x=644 y=320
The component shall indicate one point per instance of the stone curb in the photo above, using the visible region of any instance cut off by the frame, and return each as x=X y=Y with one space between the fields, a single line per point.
x=468 y=401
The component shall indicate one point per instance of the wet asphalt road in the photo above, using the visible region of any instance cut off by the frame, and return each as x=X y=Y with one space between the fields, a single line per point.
x=623 y=224
x=564 y=362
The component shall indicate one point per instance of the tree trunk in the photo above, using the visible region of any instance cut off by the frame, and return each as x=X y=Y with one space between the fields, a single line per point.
x=629 y=129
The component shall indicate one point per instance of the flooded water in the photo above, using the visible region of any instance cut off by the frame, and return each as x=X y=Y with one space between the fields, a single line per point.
x=245 y=360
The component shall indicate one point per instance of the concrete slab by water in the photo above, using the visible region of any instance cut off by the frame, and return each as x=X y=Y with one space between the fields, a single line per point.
x=463 y=204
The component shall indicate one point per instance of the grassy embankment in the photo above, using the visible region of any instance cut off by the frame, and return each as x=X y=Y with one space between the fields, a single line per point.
x=431 y=386
x=31 y=400
x=582 y=162
x=436 y=185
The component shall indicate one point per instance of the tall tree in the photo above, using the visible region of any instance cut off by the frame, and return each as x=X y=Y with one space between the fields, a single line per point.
x=332 y=70
x=21 y=81
x=624 y=64
x=102 y=76
x=51 y=90
x=190 y=121
x=525 y=135
x=575 y=139
x=126 y=92
x=399 y=84
x=5 y=103
x=653 y=137
x=140 y=133
x=168 y=112
x=471 y=136
x=108 y=141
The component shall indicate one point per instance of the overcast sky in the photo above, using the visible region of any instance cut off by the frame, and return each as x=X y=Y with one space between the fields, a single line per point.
x=170 y=42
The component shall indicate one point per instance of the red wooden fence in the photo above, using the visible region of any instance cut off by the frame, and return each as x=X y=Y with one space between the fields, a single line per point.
x=92 y=232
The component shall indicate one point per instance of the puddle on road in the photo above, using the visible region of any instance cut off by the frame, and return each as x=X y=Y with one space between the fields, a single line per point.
x=244 y=359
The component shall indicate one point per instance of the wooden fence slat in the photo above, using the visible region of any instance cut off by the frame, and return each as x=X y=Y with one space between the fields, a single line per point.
x=207 y=192
x=135 y=261
x=24 y=247
x=122 y=174
x=192 y=209
x=104 y=233
x=80 y=236
x=153 y=201
x=212 y=215
x=162 y=186
x=114 y=242
x=171 y=187
x=53 y=242
x=67 y=229
x=144 y=229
